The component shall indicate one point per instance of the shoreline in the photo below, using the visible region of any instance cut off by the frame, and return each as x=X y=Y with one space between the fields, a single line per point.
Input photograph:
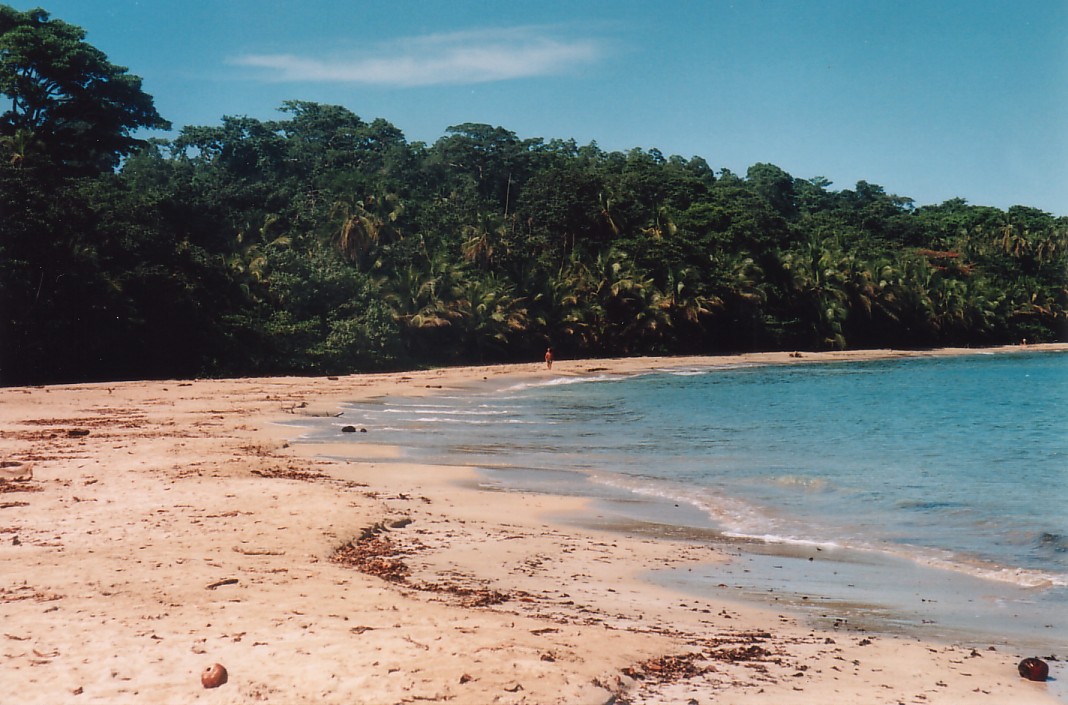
x=144 y=495
x=1027 y=600
x=938 y=603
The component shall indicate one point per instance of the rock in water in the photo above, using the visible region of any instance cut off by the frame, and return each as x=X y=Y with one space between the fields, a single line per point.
x=213 y=676
x=1034 y=669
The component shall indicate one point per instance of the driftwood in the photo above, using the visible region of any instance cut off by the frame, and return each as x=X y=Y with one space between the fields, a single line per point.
x=258 y=551
x=220 y=583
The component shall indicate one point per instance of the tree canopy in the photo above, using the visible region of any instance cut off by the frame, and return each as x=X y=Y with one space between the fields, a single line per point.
x=324 y=243
x=66 y=96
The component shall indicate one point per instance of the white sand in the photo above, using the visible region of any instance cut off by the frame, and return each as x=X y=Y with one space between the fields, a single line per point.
x=108 y=553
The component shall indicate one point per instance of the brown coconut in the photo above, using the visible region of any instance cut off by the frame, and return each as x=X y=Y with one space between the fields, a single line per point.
x=1034 y=669
x=213 y=676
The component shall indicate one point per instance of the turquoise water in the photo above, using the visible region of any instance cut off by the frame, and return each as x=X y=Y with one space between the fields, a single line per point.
x=957 y=465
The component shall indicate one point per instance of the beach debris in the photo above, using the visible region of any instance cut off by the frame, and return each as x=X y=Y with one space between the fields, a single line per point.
x=469 y=597
x=413 y=642
x=752 y=652
x=1034 y=669
x=77 y=432
x=27 y=592
x=369 y=532
x=220 y=583
x=257 y=551
x=668 y=668
x=465 y=678
x=13 y=471
x=374 y=555
x=289 y=472
x=214 y=676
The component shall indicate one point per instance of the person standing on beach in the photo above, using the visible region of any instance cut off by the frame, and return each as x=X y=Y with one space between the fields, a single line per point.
x=548 y=358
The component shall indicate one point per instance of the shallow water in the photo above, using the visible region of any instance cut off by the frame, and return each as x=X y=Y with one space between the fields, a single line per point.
x=934 y=487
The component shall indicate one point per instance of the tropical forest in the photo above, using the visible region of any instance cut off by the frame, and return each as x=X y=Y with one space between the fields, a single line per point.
x=322 y=242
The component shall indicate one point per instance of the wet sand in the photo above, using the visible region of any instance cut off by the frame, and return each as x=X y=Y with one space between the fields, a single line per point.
x=171 y=525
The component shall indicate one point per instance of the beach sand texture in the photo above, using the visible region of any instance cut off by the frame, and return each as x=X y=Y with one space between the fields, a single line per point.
x=171 y=525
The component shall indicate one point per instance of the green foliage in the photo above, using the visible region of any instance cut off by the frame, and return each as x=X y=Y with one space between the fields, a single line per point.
x=324 y=316
x=323 y=243
x=68 y=102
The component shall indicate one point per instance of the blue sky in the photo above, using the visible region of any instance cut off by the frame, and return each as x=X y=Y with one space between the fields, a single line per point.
x=931 y=99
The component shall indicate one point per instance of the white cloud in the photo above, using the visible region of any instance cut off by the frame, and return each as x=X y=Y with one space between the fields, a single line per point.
x=457 y=58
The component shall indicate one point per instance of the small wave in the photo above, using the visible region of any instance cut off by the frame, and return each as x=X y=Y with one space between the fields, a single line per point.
x=807 y=483
x=924 y=504
x=727 y=512
x=563 y=381
x=474 y=422
x=444 y=410
x=783 y=540
x=745 y=522
x=1022 y=577
x=1053 y=542
x=420 y=405
x=704 y=369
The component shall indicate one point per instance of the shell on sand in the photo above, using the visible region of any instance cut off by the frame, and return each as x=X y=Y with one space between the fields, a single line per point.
x=11 y=471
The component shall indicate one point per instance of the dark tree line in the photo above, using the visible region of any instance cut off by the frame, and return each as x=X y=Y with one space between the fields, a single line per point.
x=322 y=243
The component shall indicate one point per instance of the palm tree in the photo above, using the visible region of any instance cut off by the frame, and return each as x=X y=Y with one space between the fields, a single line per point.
x=624 y=305
x=19 y=145
x=816 y=280
x=483 y=239
x=689 y=304
x=487 y=313
x=423 y=299
x=661 y=224
x=250 y=259
x=915 y=304
x=366 y=224
x=1014 y=240
x=738 y=281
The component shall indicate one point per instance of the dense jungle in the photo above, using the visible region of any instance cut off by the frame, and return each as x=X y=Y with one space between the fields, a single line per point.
x=322 y=242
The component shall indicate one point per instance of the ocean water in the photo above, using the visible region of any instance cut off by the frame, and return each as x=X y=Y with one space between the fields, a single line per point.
x=918 y=491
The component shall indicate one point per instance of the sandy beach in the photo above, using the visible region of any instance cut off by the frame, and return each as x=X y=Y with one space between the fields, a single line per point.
x=151 y=529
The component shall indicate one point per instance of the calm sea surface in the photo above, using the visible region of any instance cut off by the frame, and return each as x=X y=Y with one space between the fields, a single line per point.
x=957 y=466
